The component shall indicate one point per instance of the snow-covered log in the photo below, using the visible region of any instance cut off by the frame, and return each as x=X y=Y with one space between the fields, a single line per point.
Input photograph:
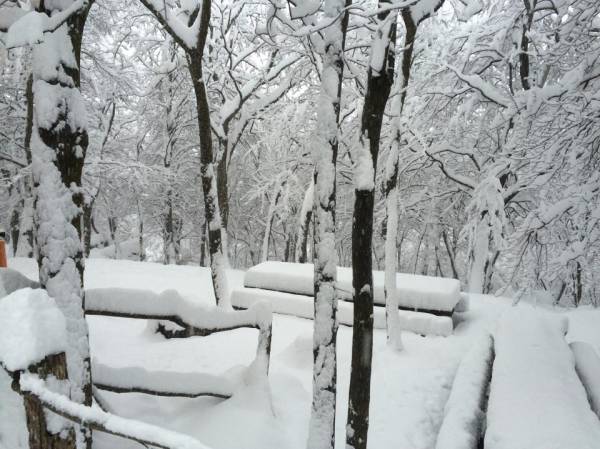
x=169 y=305
x=465 y=410
x=415 y=292
x=159 y=383
x=534 y=365
x=303 y=306
x=587 y=365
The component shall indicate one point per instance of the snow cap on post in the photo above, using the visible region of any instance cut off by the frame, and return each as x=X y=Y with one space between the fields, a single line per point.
x=31 y=328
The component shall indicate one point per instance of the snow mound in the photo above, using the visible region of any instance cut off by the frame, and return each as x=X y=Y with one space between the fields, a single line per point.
x=587 y=364
x=12 y=280
x=31 y=328
x=414 y=291
x=464 y=411
x=536 y=399
x=303 y=306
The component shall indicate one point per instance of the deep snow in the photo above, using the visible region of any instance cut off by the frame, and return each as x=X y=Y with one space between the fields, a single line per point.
x=409 y=389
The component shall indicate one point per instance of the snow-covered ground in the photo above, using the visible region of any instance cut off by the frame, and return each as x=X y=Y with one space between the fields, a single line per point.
x=409 y=389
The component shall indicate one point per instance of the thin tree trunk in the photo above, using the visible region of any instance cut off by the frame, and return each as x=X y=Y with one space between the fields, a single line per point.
x=322 y=420
x=391 y=191
x=216 y=251
x=379 y=83
x=304 y=228
x=269 y=223
x=451 y=256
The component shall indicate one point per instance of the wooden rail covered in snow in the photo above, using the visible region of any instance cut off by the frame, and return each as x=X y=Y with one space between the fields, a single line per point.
x=33 y=341
x=195 y=319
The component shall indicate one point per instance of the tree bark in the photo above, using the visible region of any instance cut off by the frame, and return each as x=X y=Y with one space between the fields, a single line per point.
x=304 y=228
x=322 y=420
x=39 y=435
x=379 y=83
x=59 y=144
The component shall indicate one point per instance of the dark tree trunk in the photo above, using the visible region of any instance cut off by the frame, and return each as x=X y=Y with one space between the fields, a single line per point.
x=379 y=83
x=88 y=209
x=303 y=237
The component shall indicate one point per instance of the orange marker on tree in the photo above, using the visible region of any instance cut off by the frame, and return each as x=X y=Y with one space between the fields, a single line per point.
x=3 y=263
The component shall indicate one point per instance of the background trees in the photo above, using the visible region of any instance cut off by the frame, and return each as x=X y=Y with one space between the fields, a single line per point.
x=499 y=122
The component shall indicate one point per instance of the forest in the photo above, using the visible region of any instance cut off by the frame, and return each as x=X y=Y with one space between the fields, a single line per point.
x=401 y=196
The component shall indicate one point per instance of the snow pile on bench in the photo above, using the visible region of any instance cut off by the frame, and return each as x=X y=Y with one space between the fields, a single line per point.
x=170 y=305
x=12 y=280
x=31 y=328
x=303 y=306
x=536 y=399
x=587 y=365
x=464 y=411
x=159 y=383
x=414 y=291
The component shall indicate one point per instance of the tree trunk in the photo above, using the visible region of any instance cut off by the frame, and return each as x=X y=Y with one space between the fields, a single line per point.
x=379 y=83
x=391 y=191
x=304 y=228
x=322 y=421
x=39 y=435
x=216 y=251
x=26 y=225
x=222 y=184
x=269 y=223
x=59 y=144
x=88 y=209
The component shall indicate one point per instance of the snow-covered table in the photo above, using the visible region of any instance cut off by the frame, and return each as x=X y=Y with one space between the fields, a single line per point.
x=415 y=292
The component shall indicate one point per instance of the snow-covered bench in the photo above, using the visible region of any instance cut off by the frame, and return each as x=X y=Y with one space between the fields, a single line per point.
x=33 y=342
x=303 y=306
x=536 y=398
x=436 y=295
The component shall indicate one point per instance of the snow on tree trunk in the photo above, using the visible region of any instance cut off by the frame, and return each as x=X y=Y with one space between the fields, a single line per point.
x=322 y=420
x=391 y=190
x=59 y=143
x=216 y=252
x=379 y=83
x=392 y=319
x=486 y=232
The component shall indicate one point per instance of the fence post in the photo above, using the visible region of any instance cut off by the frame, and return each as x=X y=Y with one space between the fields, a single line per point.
x=37 y=425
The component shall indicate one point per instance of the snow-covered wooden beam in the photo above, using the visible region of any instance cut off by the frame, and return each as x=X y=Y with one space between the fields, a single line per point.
x=169 y=305
x=462 y=427
x=159 y=383
x=99 y=420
